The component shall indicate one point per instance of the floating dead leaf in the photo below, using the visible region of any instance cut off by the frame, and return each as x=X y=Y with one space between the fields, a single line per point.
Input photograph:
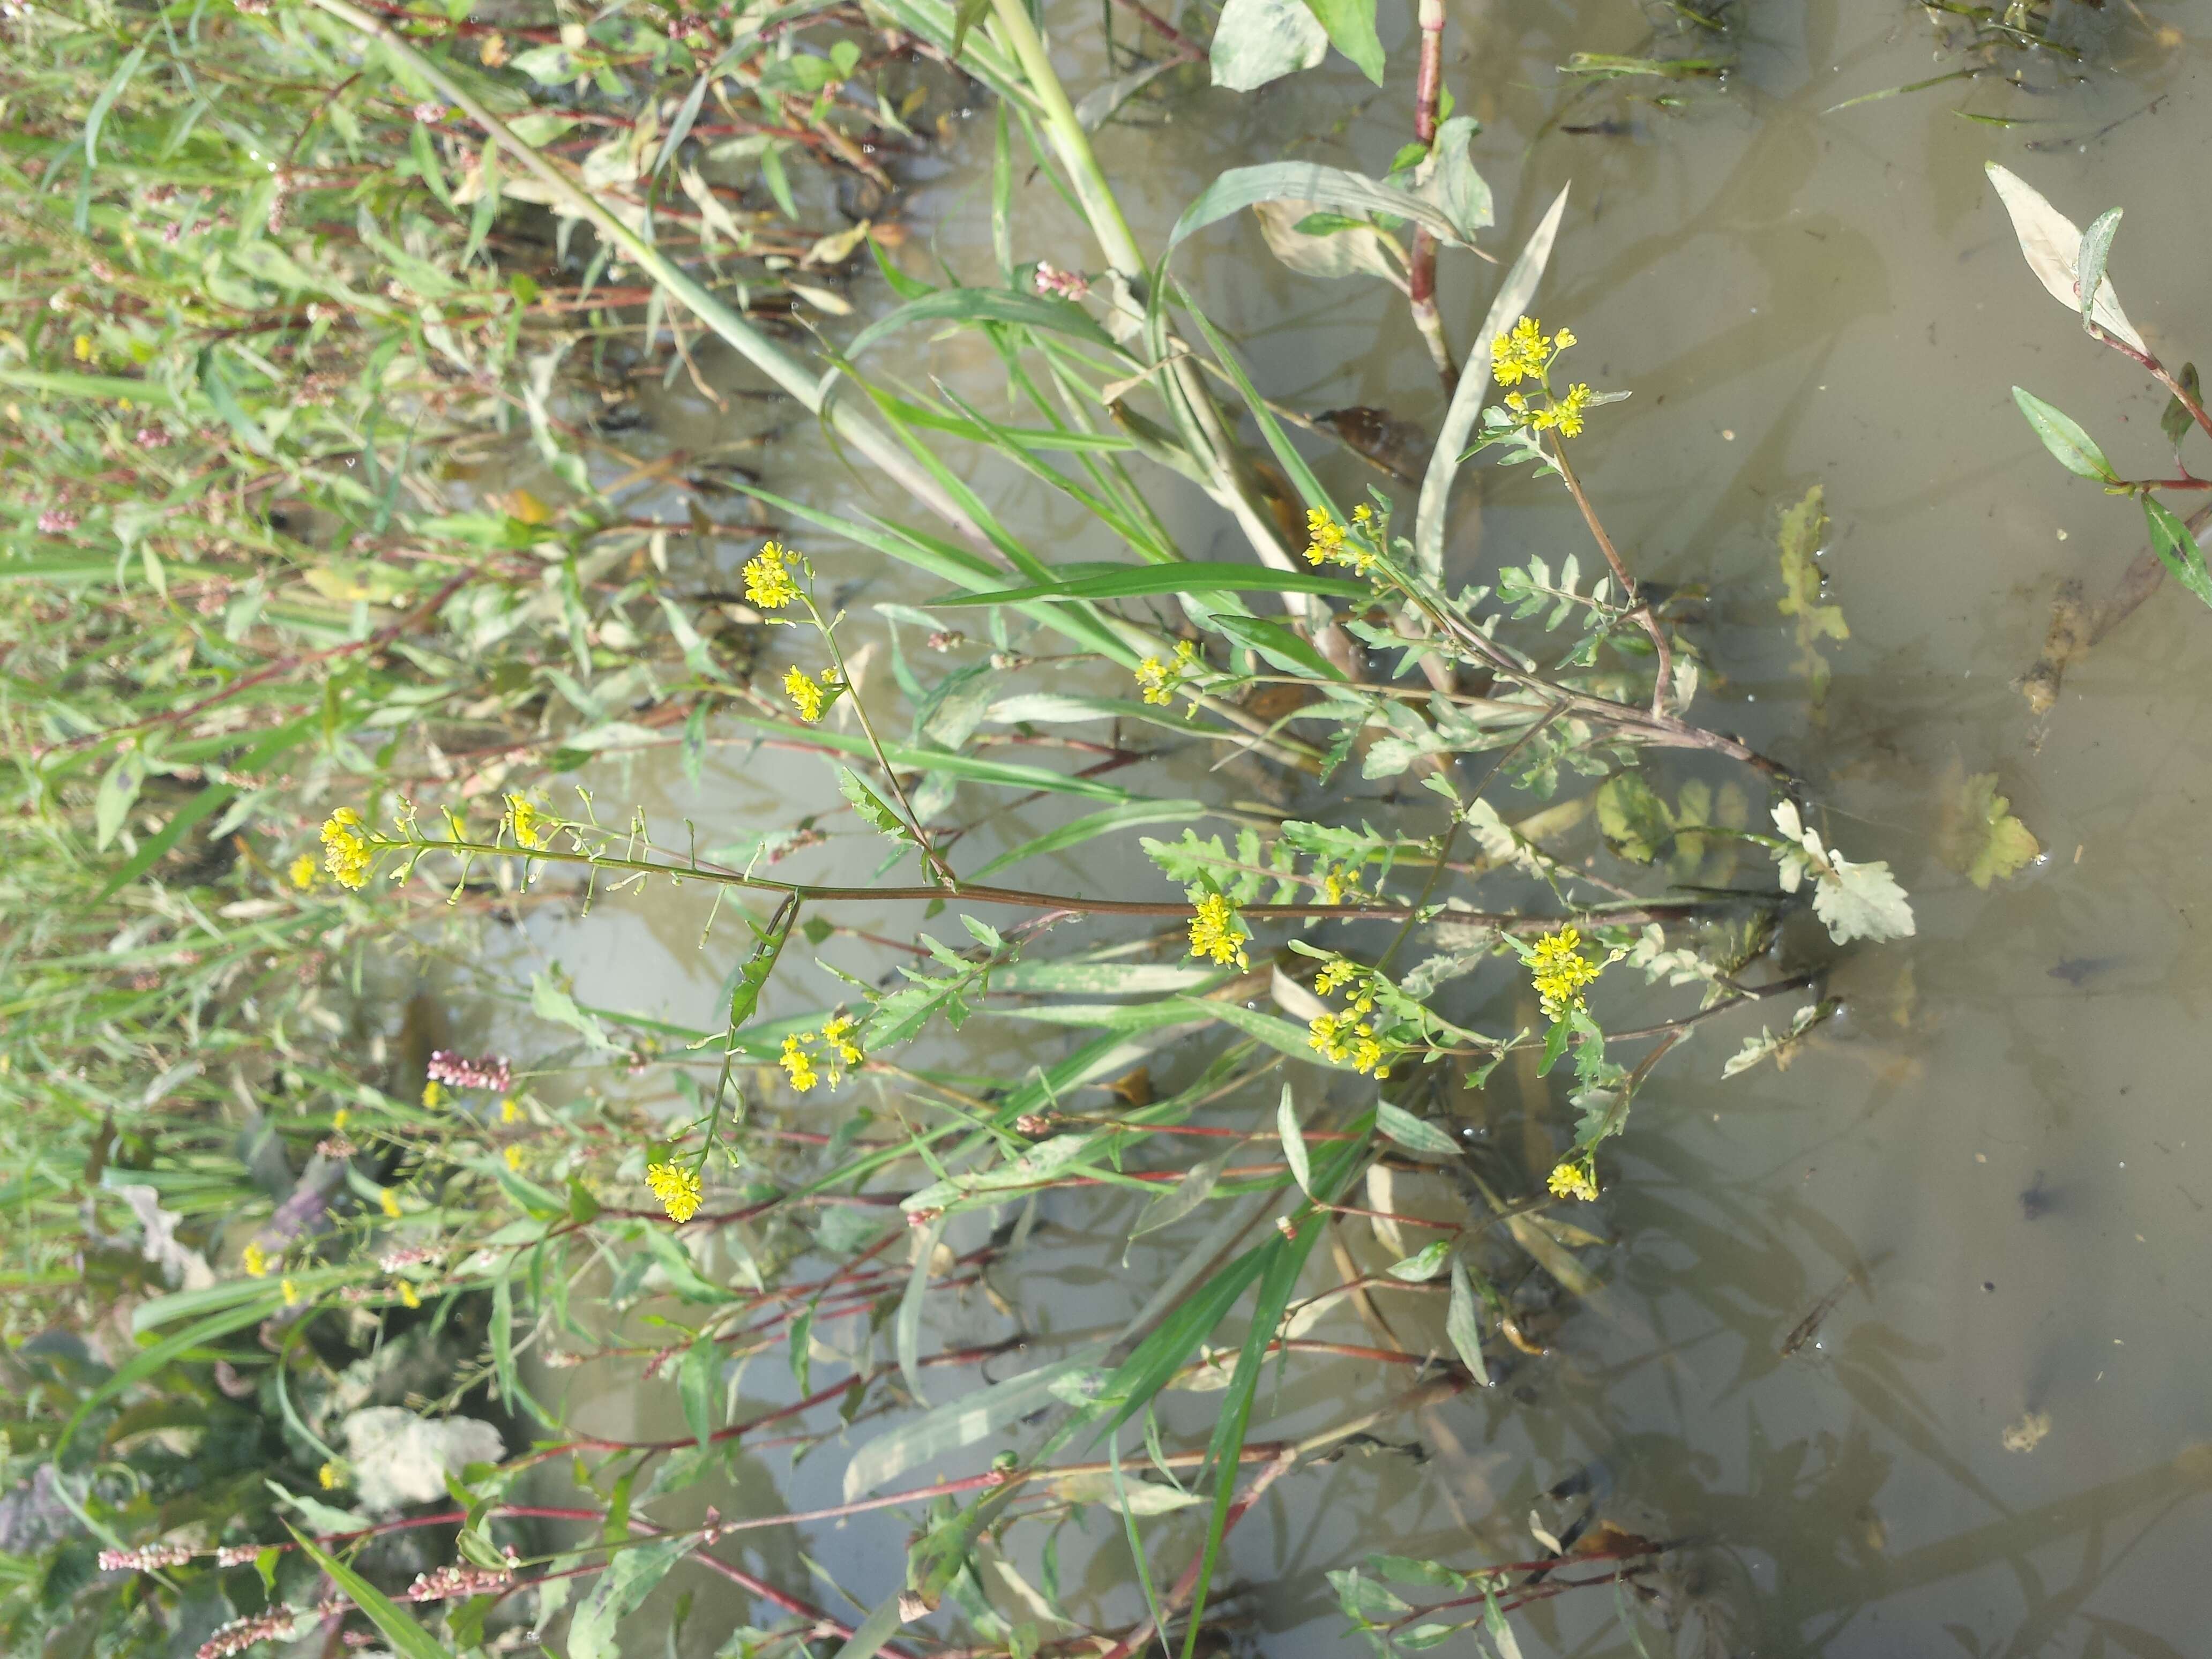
x=1977 y=834
x=2028 y=1433
x=1399 y=447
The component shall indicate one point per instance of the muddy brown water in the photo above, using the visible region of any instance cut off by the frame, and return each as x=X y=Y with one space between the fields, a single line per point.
x=1991 y=1445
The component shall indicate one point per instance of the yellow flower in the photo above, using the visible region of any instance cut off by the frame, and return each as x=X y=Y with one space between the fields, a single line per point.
x=1342 y=1038
x=330 y=1477
x=433 y=1092
x=256 y=1260
x=1158 y=680
x=1324 y=536
x=1573 y=1180
x=390 y=1200
x=83 y=347
x=303 y=872
x=409 y=1296
x=1561 y=972
x=527 y=820
x=1335 y=975
x=767 y=577
x=509 y=1111
x=1566 y=415
x=805 y=694
x=837 y=1033
x=340 y=1118
x=677 y=1188
x=515 y=1158
x=1522 y=353
x=1217 y=931
x=797 y=1062
x=345 y=849
x=291 y=1293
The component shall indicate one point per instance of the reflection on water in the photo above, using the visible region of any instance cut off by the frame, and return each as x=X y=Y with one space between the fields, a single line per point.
x=1985 y=1175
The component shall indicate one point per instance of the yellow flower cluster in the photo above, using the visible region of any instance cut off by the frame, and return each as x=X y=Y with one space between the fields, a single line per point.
x=291 y=1293
x=434 y=1095
x=1563 y=415
x=1573 y=1180
x=1217 y=931
x=409 y=1296
x=767 y=577
x=527 y=820
x=837 y=1051
x=331 y=1477
x=345 y=849
x=1156 y=680
x=1330 y=542
x=1335 y=975
x=257 y=1261
x=1524 y=352
x=390 y=1200
x=677 y=1189
x=303 y=872
x=1345 y=1036
x=513 y=1156
x=806 y=695
x=1561 y=972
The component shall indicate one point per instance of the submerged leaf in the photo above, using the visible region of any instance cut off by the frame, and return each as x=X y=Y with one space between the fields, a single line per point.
x=1804 y=528
x=1978 y=836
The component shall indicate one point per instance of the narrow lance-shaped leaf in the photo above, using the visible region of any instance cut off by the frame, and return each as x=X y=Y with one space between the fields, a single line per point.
x=2073 y=449
x=2179 y=547
x=2096 y=247
x=1460 y=1324
x=1514 y=295
x=1294 y=1144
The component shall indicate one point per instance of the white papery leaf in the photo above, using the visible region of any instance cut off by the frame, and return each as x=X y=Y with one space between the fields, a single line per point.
x=2052 y=243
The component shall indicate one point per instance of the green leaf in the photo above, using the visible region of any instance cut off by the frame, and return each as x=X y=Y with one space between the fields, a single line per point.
x=1331 y=188
x=1350 y=27
x=1634 y=821
x=2074 y=448
x=1978 y=836
x=878 y=1627
x=1257 y=42
x=409 y=1639
x=151 y=850
x=1411 y=1133
x=759 y=966
x=549 y=1000
x=990 y=305
x=2179 y=547
x=983 y=1414
x=1294 y=1144
x=2090 y=265
x=969 y=13
x=1511 y=303
x=631 y=1574
x=118 y=791
x=1461 y=1327
x=106 y=101
x=2176 y=419
x=1091 y=825
x=699 y=1385
x=1423 y=1265
x=872 y=806
x=1194 y=576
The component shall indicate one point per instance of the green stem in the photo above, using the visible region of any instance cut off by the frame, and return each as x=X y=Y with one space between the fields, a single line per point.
x=929 y=853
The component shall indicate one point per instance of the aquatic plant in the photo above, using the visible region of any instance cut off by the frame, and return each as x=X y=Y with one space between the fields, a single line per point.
x=1324 y=974
x=2070 y=263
